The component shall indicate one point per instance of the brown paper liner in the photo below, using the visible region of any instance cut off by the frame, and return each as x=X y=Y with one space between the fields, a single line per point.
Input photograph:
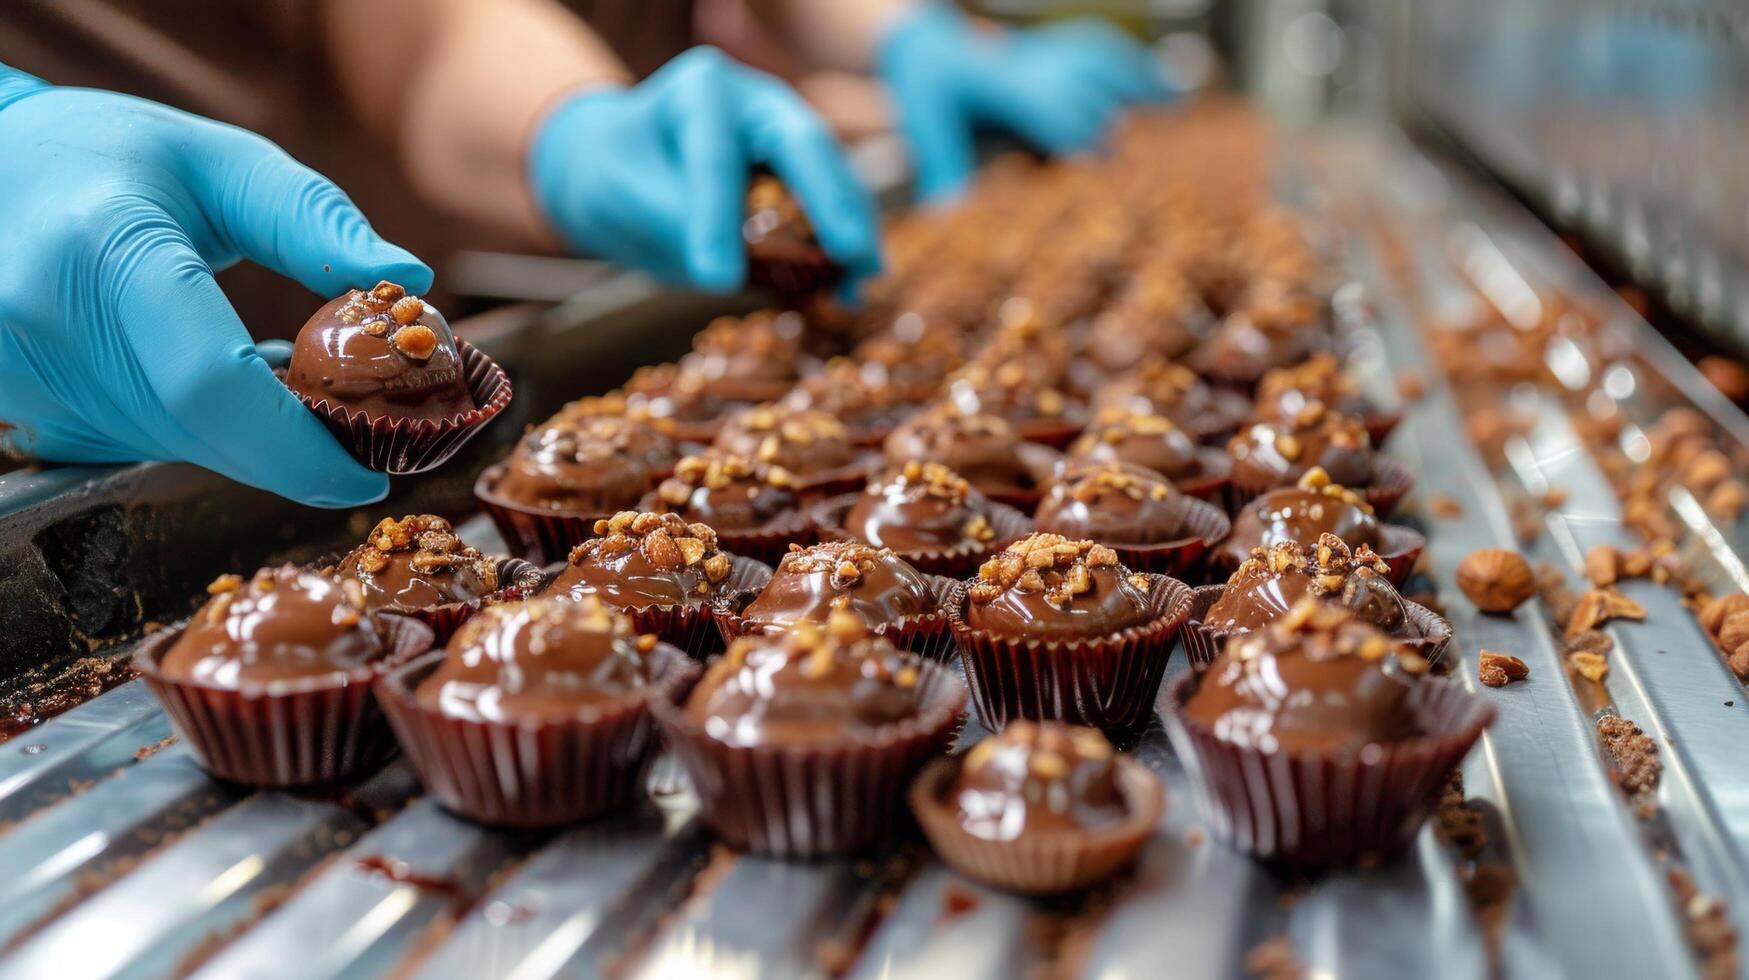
x=1042 y=461
x=1213 y=428
x=1108 y=682
x=1307 y=808
x=692 y=629
x=305 y=732
x=1380 y=425
x=1040 y=864
x=531 y=775
x=539 y=535
x=1058 y=432
x=767 y=543
x=813 y=800
x=848 y=478
x=1391 y=480
x=928 y=636
x=1202 y=642
x=792 y=274
x=1399 y=546
x=1201 y=524
x=403 y=446
x=1213 y=484
x=961 y=560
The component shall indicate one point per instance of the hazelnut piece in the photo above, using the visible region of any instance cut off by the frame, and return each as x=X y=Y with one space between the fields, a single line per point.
x=1495 y=579
x=1499 y=669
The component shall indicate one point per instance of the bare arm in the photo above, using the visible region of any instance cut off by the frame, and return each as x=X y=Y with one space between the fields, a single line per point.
x=838 y=34
x=458 y=86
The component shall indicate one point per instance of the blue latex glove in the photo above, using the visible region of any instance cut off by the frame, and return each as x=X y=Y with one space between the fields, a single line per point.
x=116 y=345
x=1058 y=87
x=655 y=176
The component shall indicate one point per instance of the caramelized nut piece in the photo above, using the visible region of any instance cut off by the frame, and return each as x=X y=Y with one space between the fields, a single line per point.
x=1499 y=669
x=1496 y=580
x=1603 y=565
x=417 y=341
x=1591 y=666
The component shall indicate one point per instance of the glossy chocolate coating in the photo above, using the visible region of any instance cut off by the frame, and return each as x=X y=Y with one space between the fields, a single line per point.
x=1258 y=593
x=542 y=660
x=803 y=442
x=1036 y=779
x=357 y=352
x=982 y=448
x=1082 y=593
x=1110 y=502
x=918 y=507
x=912 y=356
x=1285 y=392
x=810 y=685
x=1308 y=690
x=1280 y=452
x=416 y=563
x=812 y=582
x=727 y=492
x=859 y=395
x=760 y=353
x=281 y=625
x=1243 y=345
x=1150 y=441
x=1302 y=516
x=639 y=560
x=1161 y=387
x=585 y=464
x=1008 y=390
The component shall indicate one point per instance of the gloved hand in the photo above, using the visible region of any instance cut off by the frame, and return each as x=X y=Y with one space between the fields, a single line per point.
x=1057 y=87
x=116 y=345
x=655 y=176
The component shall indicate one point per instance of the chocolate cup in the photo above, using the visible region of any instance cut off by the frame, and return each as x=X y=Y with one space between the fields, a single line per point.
x=540 y=535
x=767 y=543
x=309 y=731
x=813 y=801
x=1042 y=461
x=1317 y=809
x=792 y=272
x=1202 y=642
x=1399 y=546
x=927 y=636
x=531 y=774
x=1040 y=864
x=1390 y=481
x=401 y=446
x=1108 y=682
x=692 y=629
x=956 y=561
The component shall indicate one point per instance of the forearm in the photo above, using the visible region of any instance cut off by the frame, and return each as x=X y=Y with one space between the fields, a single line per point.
x=458 y=87
x=837 y=34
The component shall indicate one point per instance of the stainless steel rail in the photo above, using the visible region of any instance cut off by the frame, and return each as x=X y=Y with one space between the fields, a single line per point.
x=118 y=866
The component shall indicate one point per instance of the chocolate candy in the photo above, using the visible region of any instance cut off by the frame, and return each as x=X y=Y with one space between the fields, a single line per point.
x=415 y=563
x=1113 y=502
x=806 y=443
x=727 y=491
x=918 y=507
x=539 y=660
x=585 y=464
x=282 y=624
x=1161 y=387
x=637 y=560
x=862 y=396
x=815 y=683
x=755 y=357
x=1050 y=587
x=982 y=448
x=1303 y=514
x=1276 y=453
x=1284 y=392
x=1319 y=679
x=811 y=583
x=1150 y=441
x=1272 y=581
x=383 y=353
x=1038 y=778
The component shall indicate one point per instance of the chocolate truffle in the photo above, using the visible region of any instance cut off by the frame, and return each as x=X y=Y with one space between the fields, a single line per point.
x=912 y=355
x=1284 y=392
x=810 y=583
x=1244 y=346
x=1278 y=453
x=637 y=560
x=919 y=507
x=982 y=448
x=543 y=660
x=1303 y=514
x=1008 y=391
x=727 y=492
x=585 y=464
x=383 y=353
x=859 y=395
x=1048 y=587
x=415 y=563
x=1037 y=778
x=782 y=250
x=806 y=443
x=755 y=358
x=1318 y=680
x=1150 y=441
x=1160 y=315
x=1113 y=502
x=669 y=394
x=816 y=683
x=1161 y=387
x=283 y=624
x=1273 y=580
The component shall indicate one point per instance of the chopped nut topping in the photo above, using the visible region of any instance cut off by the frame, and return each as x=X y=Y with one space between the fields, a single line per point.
x=224 y=583
x=1499 y=669
x=842 y=643
x=417 y=341
x=718 y=470
x=1318 y=481
x=665 y=540
x=387 y=308
x=1091 y=482
x=1598 y=607
x=848 y=562
x=1591 y=666
x=1049 y=563
x=1324 y=631
x=1329 y=563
